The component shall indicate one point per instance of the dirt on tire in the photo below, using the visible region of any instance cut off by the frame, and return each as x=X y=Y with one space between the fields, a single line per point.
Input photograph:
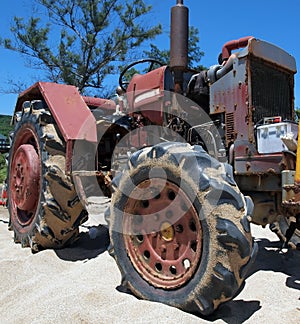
x=53 y=218
x=226 y=242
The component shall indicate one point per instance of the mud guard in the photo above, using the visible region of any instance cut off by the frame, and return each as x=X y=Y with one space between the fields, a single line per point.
x=72 y=115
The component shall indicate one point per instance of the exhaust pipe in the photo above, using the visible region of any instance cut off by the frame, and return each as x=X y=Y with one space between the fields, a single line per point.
x=179 y=37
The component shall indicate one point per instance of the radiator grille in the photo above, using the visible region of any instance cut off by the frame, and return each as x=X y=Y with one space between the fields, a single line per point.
x=230 y=130
x=271 y=91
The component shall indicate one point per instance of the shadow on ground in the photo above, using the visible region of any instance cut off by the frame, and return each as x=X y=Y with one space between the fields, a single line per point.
x=3 y=221
x=235 y=311
x=270 y=258
x=85 y=247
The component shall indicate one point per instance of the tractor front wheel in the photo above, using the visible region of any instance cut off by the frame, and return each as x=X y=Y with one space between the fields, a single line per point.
x=178 y=228
x=45 y=211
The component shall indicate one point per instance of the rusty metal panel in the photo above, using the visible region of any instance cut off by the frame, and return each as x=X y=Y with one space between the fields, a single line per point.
x=259 y=164
x=72 y=115
x=179 y=37
x=68 y=108
x=144 y=93
x=272 y=53
x=255 y=182
x=107 y=105
x=230 y=95
x=249 y=161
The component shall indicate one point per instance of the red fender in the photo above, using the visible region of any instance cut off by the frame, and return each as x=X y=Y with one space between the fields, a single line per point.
x=71 y=113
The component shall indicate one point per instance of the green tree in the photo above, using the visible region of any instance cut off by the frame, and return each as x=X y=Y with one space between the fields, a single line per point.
x=194 y=52
x=5 y=129
x=3 y=168
x=297 y=114
x=92 y=37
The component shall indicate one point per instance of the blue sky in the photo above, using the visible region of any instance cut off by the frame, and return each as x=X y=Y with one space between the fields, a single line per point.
x=218 y=21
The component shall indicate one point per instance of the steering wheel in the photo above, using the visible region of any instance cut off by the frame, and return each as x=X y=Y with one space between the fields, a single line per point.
x=123 y=84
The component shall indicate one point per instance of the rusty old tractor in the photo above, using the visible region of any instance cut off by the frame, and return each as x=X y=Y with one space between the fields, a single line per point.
x=188 y=158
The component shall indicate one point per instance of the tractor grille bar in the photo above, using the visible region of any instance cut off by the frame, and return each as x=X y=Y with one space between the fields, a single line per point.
x=230 y=128
x=271 y=91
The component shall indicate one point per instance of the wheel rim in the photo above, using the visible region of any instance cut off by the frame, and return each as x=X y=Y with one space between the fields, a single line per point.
x=163 y=234
x=25 y=176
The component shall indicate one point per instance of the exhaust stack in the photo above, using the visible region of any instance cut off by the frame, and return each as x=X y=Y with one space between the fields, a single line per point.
x=179 y=37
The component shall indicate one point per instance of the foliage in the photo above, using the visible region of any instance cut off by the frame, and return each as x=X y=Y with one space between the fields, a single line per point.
x=5 y=128
x=297 y=114
x=3 y=168
x=94 y=36
x=194 y=52
x=163 y=55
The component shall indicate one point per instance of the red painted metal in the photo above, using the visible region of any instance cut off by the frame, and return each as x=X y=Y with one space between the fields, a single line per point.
x=139 y=138
x=230 y=95
x=232 y=45
x=142 y=83
x=25 y=173
x=25 y=179
x=94 y=102
x=144 y=94
x=3 y=197
x=73 y=117
x=258 y=164
x=163 y=235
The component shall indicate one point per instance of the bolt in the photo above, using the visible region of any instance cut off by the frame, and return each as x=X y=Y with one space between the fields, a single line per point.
x=156 y=217
x=175 y=246
x=153 y=234
x=179 y=228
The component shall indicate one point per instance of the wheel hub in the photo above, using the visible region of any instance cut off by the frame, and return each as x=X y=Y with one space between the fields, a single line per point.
x=163 y=234
x=167 y=231
x=25 y=177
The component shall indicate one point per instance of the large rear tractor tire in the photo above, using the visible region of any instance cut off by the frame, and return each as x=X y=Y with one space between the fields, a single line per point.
x=45 y=211
x=179 y=229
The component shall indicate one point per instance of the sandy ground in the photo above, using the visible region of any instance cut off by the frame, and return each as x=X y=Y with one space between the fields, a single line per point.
x=80 y=285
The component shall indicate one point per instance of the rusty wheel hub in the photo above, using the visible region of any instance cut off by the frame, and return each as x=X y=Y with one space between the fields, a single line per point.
x=25 y=177
x=163 y=234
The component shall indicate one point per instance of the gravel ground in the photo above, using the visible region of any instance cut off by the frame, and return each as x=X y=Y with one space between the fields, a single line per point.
x=81 y=285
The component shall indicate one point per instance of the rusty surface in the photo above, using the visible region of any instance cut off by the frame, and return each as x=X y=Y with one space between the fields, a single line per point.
x=94 y=179
x=273 y=54
x=25 y=177
x=179 y=37
x=69 y=110
x=106 y=104
x=232 y=45
x=144 y=93
x=291 y=198
x=249 y=162
x=244 y=93
x=230 y=95
x=292 y=195
x=165 y=248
